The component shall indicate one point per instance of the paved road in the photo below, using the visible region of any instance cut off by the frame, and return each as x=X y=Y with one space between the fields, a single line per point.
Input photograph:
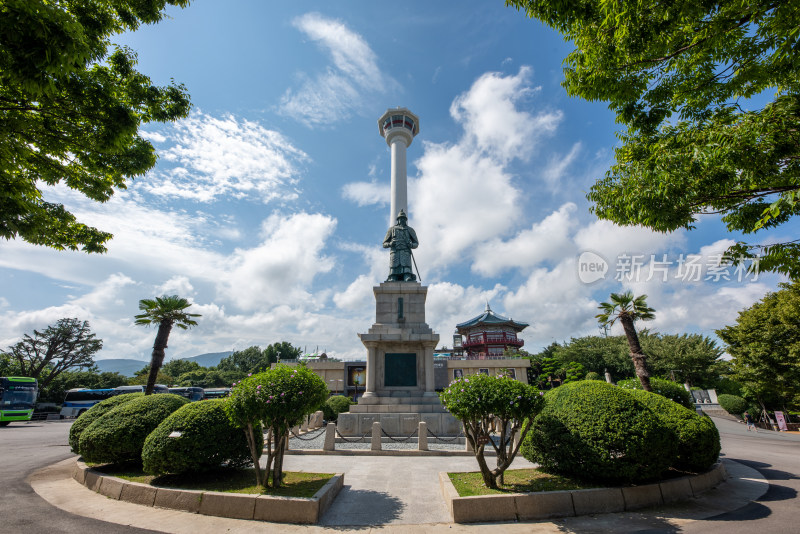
x=776 y=456
x=26 y=447
x=35 y=445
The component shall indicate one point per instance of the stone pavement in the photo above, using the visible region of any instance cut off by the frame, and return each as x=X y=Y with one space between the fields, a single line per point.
x=388 y=494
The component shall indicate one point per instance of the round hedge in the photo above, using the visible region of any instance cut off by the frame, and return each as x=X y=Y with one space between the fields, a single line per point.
x=207 y=441
x=595 y=431
x=334 y=406
x=698 y=437
x=733 y=404
x=666 y=388
x=118 y=435
x=591 y=375
x=88 y=417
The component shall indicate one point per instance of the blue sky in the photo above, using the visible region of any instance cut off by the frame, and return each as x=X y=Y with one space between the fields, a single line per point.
x=268 y=205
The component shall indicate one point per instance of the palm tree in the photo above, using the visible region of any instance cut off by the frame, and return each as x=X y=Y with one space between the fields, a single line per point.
x=166 y=311
x=628 y=309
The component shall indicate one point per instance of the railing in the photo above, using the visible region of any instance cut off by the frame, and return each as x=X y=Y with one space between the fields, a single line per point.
x=486 y=339
x=481 y=356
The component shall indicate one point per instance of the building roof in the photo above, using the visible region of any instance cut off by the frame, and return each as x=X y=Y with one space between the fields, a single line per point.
x=489 y=318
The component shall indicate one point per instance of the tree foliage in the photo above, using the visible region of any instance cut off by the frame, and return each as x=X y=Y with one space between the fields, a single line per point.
x=595 y=431
x=279 y=398
x=71 y=112
x=764 y=345
x=483 y=403
x=682 y=77
x=69 y=344
x=166 y=312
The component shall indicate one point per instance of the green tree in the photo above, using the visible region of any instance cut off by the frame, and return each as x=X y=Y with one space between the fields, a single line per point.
x=626 y=309
x=244 y=361
x=690 y=358
x=69 y=344
x=680 y=77
x=281 y=351
x=764 y=345
x=175 y=368
x=279 y=398
x=71 y=112
x=166 y=312
x=600 y=353
x=483 y=401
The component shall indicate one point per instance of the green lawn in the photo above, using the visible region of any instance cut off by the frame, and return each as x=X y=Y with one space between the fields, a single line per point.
x=516 y=481
x=295 y=484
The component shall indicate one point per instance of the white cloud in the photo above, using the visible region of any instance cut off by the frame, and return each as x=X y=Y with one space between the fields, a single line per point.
x=215 y=157
x=491 y=118
x=341 y=89
x=546 y=240
x=177 y=285
x=281 y=268
x=367 y=193
x=557 y=166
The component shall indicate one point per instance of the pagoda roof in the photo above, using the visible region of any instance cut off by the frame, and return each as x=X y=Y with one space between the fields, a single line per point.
x=490 y=318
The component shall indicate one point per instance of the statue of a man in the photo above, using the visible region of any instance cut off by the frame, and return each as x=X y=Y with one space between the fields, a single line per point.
x=401 y=238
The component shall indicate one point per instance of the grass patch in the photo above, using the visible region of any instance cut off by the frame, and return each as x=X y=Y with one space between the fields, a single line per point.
x=295 y=484
x=516 y=481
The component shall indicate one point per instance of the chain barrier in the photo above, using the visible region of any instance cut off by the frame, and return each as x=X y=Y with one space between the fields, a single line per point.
x=446 y=440
x=348 y=440
x=399 y=440
x=309 y=438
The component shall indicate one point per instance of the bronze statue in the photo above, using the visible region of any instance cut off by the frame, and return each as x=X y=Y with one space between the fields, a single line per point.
x=401 y=238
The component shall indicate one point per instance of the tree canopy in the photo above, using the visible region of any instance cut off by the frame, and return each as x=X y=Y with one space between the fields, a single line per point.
x=764 y=345
x=688 y=80
x=71 y=112
x=68 y=344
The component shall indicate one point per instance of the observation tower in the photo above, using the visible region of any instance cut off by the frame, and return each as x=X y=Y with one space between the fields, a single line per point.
x=399 y=127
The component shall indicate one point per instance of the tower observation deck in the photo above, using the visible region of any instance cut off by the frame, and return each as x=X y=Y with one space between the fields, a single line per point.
x=399 y=127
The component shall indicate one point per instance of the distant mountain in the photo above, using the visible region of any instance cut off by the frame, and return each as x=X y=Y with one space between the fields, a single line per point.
x=123 y=366
x=209 y=359
x=129 y=367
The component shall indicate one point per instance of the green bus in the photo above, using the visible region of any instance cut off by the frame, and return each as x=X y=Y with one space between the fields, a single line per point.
x=17 y=398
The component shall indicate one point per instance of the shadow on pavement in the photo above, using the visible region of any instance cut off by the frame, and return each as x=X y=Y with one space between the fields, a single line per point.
x=767 y=470
x=633 y=522
x=362 y=508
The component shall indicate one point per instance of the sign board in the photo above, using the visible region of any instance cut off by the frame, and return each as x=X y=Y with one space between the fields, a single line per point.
x=400 y=369
x=781 y=419
x=483 y=440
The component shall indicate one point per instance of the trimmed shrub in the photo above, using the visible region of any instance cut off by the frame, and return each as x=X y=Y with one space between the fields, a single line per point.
x=593 y=376
x=207 y=441
x=698 y=437
x=88 y=417
x=118 y=435
x=336 y=405
x=733 y=404
x=666 y=388
x=595 y=431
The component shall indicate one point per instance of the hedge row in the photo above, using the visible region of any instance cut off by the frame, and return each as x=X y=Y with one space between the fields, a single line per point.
x=595 y=431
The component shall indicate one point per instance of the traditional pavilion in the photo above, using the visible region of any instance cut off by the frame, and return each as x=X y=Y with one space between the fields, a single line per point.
x=488 y=335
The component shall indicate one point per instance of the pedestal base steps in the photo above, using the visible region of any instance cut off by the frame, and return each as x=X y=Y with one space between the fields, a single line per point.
x=398 y=424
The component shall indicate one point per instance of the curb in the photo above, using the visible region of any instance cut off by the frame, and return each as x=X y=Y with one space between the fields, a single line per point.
x=553 y=504
x=231 y=505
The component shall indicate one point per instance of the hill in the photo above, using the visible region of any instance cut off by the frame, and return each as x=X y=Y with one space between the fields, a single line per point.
x=129 y=367
x=123 y=366
x=209 y=359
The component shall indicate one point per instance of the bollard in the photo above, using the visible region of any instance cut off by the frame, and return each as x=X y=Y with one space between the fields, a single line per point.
x=376 y=436
x=330 y=437
x=304 y=426
x=423 y=436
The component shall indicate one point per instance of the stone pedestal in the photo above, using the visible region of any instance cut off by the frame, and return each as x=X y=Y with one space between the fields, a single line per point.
x=400 y=382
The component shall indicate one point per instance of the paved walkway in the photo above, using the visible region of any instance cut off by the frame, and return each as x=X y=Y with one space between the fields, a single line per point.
x=388 y=494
